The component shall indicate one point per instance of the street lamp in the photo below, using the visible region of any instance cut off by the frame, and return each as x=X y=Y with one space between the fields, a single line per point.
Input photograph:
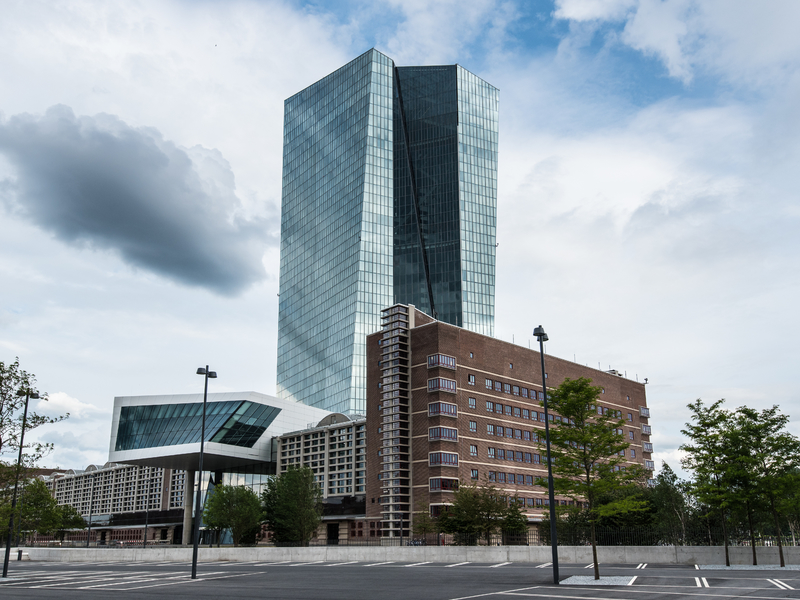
x=197 y=512
x=542 y=337
x=28 y=395
x=147 y=507
x=91 y=507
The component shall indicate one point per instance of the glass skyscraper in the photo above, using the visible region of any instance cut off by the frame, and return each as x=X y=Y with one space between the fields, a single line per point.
x=389 y=196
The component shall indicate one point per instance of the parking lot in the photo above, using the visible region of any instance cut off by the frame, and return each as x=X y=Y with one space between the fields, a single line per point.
x=388 y=580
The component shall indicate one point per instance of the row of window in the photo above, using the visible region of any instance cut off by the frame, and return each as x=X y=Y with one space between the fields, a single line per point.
x=442 y=408
x=440 y=384
x=441 y=360
x=443 y=433
x=442 y=458
x=508 y=388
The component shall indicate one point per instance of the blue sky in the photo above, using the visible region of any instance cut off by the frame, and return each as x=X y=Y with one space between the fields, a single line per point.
x=647 y=201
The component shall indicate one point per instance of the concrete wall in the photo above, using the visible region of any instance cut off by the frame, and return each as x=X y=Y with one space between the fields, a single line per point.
x=702 y=555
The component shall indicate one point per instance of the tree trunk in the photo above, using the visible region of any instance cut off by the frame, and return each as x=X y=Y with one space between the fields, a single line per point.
x=594 y=554
x=777 y=528
x=752 y=535
x=725 y=538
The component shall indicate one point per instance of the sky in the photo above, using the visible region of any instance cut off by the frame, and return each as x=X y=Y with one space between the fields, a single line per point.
x=647 y=190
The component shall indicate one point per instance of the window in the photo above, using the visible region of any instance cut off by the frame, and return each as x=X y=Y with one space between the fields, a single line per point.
x=441 y=360
x=517 y=411
x=633 y=453
x=473 y=474
x=472 y=403
x=630 y=435
x=646 y=430
x=501 y=477
x=473 y=426
x=508 y=410
x=492 y=453
x=473 y=450
x=541 y=417
x=490 y=429
x=649 y=464
x=518 y=434
x=526 y=435
x=489 y=406
x=630 y=416
x=440 y=384
x=647 y=447
x=512 y=478
x=471 y=379
x=471 y=355
x=527 y=457
x=498 y=386
x=498 y=408
x=509 y=432
x=537 y=459
x=488 y=384
x=524 y=392
x=492 y=476
x=443 y=433
x=507 y=388
x=518 y=456
x=501 y=454
x=443 y=484
x=443 y=458
x=442 y=408
x=526 y=414
x=515 y=390
x=501 y=430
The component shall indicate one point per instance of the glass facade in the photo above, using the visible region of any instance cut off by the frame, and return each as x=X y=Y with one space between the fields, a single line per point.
x=237 y=423
x=382 y=169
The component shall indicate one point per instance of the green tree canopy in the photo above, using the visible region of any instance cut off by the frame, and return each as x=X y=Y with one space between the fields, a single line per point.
x=38 y=509
x=233 y=507
x=588 y=454
x=68 y=518
x=477 y=510
x=293 y=506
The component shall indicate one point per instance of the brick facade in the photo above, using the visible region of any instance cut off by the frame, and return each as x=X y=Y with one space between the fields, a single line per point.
x=486 y=373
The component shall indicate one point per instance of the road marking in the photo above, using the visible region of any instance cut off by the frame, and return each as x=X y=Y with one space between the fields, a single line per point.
x=313 y=562
x=632 y=580
x=544 y=566
x=509 y=592
x=352 y=562
x=705 y=583
x=697 y=567
x=780 y=584
x=388 y=562
x=418 y=564
x=697 y=581
x=457 y=564
x=642 y=566
x=500 y=565
x=589 y=566
x=267 y=564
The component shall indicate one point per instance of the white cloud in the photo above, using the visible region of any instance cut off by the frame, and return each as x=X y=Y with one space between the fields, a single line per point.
x=59 y=403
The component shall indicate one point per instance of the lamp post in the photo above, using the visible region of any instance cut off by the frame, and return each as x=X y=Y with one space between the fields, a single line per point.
x=147 y=507
x=91 y=507
x=28 y=395
x=542 y=337
x=197 y=509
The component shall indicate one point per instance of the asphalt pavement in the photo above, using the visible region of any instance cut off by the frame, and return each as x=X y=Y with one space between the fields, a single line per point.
x=287 y=580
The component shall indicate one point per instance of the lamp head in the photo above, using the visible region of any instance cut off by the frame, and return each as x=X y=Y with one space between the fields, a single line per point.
x=201 y=371
x=30 y=394
x=212 y=374
x=539 y=334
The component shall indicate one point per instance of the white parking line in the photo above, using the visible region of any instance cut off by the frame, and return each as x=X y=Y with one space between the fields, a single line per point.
x=312 y=562
x=545 y=565
x=418 y=564
x=352 y=562
x=589 y=566
x=697 y=567
x=388 y=562
x=457 y=564
x=632 y=580
x=697 y=582
x=778 y=583
x=705 y=583
x=500 y=565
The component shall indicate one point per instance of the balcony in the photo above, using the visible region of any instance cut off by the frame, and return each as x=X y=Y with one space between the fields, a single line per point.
x=644 y=412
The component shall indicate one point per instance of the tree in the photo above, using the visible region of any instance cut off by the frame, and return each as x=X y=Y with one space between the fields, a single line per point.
x=12 y=380
x=708 y=455
x=38 y=509
x=588 y=454
x=233 y=507
x=423 y=522
x=769 y=458
x=68 y=518
x=669 y=500
x=293 y=506
x=514 y=522
x=477 y=510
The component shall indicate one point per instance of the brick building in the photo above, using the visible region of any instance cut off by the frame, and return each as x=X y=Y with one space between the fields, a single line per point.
x=447 y=405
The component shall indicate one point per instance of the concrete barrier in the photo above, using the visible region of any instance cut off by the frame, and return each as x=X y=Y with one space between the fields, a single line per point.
x=686 y=555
